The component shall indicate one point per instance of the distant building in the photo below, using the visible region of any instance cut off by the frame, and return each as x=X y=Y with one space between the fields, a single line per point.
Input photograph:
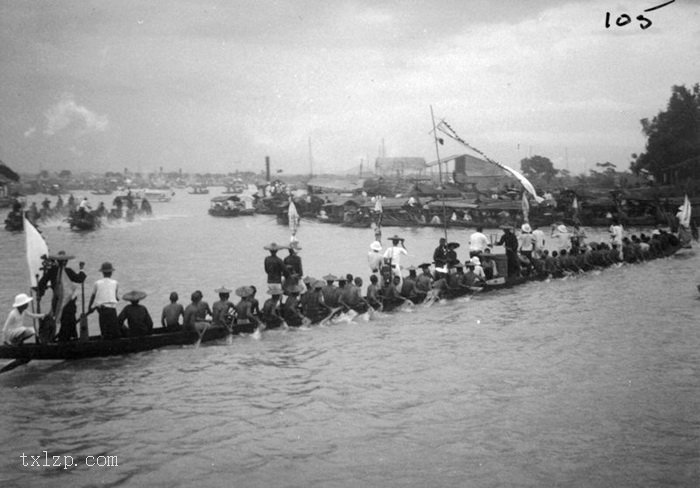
x=399 y=167
x=467 y=170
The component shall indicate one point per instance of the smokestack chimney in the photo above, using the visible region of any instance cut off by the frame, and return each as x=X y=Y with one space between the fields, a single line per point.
x=267 y=167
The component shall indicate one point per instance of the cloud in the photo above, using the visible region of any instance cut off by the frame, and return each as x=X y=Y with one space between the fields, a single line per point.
x=67 y=113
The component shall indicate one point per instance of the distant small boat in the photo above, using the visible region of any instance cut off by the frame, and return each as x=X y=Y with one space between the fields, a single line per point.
x=199 y=190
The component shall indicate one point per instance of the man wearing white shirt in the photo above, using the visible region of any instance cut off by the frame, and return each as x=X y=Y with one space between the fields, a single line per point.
x=478 y=242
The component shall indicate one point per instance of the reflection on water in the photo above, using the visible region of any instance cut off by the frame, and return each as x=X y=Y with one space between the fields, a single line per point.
x=589 y=381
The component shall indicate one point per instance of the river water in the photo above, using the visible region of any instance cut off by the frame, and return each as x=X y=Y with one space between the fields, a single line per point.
x=589 y=381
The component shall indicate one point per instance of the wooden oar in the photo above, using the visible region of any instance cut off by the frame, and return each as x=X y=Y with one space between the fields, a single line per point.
x=14 y=364
x=333 y=313
x=202 y=332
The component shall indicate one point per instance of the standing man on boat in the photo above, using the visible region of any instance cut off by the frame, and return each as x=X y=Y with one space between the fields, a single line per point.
x=274 y=266
x=293 y=264
x=393 y=255
x=616 y=235
x=374 y=257
x=510 y=242
x=478 y=242
x=104 y=299
x=63 y=282
x=440 y=253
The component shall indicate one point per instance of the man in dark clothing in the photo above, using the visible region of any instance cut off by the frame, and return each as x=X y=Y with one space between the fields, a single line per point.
x=510 y=241
x=271 y=313
x=294 y=269
x=440 y=253
x=274 y=266
x=62 y=280
x=137 y=316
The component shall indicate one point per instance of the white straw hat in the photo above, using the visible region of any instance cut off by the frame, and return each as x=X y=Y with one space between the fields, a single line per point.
x=21 y=299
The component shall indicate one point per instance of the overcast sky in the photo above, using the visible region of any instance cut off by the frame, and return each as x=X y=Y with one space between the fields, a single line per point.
x=218 y=85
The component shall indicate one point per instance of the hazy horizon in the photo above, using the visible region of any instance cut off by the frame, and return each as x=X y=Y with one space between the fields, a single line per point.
x=219 y=85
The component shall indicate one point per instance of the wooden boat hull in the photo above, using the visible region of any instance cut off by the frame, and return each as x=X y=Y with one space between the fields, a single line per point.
x=97 y=347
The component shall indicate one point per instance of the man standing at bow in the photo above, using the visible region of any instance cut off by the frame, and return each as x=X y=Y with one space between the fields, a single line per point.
x=63 y=282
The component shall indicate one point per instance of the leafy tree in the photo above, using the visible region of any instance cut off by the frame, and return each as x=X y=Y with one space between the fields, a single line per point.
x=673 y=136
x=538 y=167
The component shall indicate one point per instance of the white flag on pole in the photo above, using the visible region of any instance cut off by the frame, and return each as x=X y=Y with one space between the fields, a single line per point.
x=36 y=248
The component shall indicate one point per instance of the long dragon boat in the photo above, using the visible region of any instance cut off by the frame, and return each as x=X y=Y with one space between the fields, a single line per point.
x=95 y=346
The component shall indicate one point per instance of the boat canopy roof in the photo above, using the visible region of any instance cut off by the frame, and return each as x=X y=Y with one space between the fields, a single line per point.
x=454 y=204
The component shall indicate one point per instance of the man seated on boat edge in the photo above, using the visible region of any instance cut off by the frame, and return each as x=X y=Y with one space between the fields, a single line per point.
x=170 y=318
x=291 y=309
x=196 y=312
x=221 y=308
x=245 y=320
x=14 y=332
x=271 y=313
x=136 y=315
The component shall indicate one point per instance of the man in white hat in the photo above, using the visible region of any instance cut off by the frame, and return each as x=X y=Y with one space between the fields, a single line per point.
x=15 y=332
x=526 y=242
x=374 y=257
x=562 y=237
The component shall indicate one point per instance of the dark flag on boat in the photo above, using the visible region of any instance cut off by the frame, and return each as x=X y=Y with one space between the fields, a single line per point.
x=7 y=172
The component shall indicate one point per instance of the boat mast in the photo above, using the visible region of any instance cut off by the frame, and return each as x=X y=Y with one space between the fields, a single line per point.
x=439 y=163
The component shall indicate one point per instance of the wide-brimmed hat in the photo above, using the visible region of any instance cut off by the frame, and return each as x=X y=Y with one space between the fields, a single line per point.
x=342 y=278
x=376 y=246
x=526 y=228
x=396 y=238
x=309 y=280
x=475 y=261
x=61 y=256
x=106 y=267
x=294 y=246
x=562 y=228
x=454 y=245
x=411 y=268
x=221 y=290
x=134 y=295
x=469 y=264
x=330 y=277
x=319 y=284
x=424 y=265
x=244 y=291
x=21 y=299
x=274 y=247
x=458 y=265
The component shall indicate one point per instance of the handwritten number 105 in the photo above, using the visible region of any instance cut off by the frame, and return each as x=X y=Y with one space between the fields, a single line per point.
x=624 y=19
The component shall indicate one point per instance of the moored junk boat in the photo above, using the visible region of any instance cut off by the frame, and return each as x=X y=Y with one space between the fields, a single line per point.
x=231 y=206
x=98 y=347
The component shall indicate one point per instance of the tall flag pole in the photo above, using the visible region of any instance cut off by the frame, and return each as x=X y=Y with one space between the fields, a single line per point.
x=437 y=153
